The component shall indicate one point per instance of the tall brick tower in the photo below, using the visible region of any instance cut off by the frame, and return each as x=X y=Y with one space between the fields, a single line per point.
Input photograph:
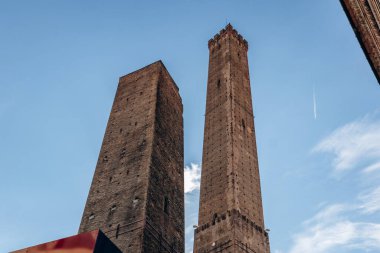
x=230 y=211
x=137 y=195
x=364 y=16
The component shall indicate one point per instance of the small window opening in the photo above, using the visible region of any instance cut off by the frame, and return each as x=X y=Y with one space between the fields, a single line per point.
x=214 y=218
x=166 y=205
x=218 y=83
x=135 y=201
x=117 y=231
x=122 y=153
x=243 y=124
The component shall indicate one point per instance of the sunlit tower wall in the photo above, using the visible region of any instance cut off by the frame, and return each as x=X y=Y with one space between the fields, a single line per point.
x=137 y=193
x=230 y=212
x=364 y=16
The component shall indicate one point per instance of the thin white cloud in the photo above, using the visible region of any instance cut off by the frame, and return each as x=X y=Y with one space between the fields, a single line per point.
x=353 y=144
x=192 y=177
x=372 y=168
x=370 y=201
x=330 y=230
x=320 y=239
x=347 y=226
x=328 y=213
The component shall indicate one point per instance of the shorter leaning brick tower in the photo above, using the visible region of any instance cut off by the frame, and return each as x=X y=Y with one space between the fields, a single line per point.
x=137 y=197
x=230 y=212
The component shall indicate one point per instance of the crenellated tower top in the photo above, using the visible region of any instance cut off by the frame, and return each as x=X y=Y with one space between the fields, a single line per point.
x=228 y=30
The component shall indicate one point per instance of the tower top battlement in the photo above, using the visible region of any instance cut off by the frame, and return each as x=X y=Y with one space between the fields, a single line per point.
x=228 y=30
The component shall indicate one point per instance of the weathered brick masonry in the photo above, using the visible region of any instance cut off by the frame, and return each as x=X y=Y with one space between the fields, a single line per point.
x=230 y=212
x=137 y=195
x=364 y=16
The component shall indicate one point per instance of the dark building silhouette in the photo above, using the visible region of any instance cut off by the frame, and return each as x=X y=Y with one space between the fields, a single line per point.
x=364 y=16
x=137 y=193
x=230 y=212
x=90 y=242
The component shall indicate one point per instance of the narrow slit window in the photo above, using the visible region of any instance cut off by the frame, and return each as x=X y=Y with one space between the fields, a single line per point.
x=117 y=231
x=166 y=205
x=214 y=218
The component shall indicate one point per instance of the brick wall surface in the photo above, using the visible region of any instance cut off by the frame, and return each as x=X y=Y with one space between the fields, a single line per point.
x=230 y=212
x=136 y=196
x=364 y=16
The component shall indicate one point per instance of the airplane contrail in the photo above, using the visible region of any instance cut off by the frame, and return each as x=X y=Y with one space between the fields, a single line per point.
x=314 y=103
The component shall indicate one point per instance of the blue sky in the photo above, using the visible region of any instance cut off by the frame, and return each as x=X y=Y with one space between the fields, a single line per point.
x=319 y=162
